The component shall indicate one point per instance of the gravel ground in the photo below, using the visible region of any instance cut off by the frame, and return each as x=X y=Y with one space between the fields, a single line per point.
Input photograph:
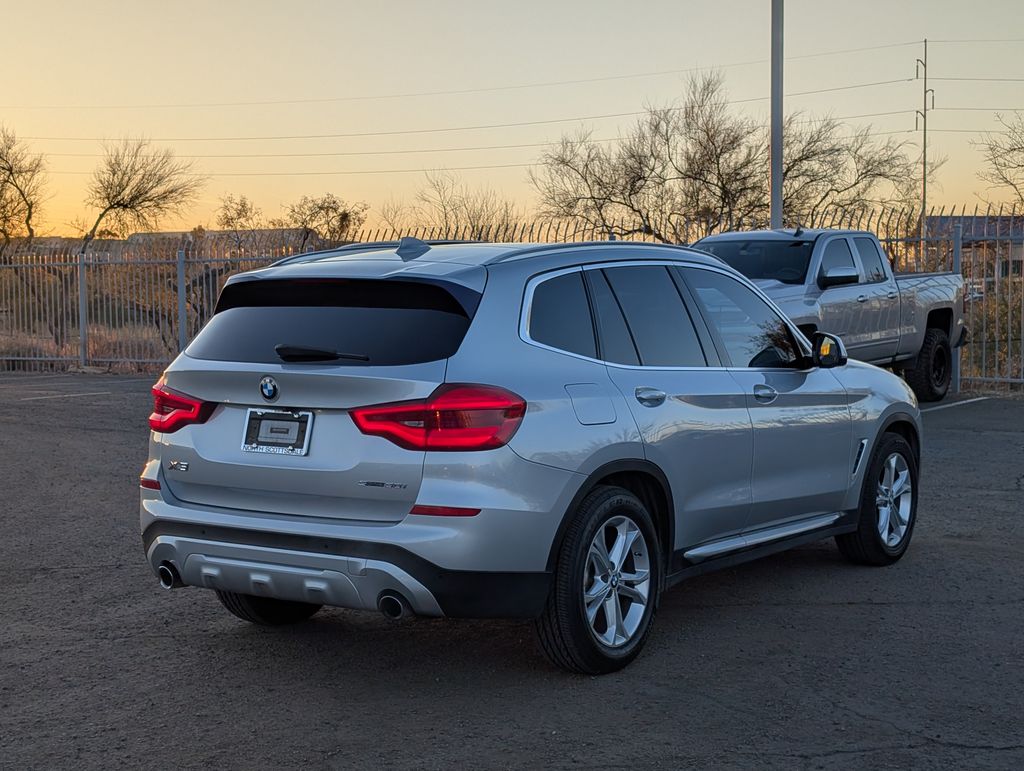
x=797 y=661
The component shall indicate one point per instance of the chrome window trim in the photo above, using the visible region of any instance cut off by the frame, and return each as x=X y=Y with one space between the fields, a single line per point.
x=535 y=281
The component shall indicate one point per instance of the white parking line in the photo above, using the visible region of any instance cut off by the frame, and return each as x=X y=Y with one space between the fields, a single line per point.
x=956 y=404
x=62 y=396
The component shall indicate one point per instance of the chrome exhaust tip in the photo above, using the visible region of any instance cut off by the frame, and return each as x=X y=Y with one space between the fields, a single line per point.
x=393 y=606
x=168 y=575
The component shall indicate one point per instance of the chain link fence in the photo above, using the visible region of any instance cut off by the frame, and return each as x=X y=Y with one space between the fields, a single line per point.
x=131 y=306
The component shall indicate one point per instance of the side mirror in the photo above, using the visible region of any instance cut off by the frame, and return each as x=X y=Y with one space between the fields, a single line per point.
x=838 y=277
x=829 y=351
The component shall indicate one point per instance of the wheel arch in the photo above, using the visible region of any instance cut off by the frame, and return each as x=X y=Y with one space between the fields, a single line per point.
x=904 y=425
x=942 y=319
x=642 y=478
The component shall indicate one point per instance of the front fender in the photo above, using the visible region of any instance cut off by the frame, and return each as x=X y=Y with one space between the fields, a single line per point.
x=878 y=400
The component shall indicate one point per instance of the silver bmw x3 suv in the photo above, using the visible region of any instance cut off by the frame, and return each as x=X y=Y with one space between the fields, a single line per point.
x=555 y=432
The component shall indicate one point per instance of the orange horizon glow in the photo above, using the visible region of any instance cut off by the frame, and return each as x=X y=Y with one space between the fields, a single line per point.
x=204 y=79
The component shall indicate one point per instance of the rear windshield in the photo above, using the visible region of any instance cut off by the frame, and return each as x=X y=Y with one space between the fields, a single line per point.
x=388 y=322
x=782 y=260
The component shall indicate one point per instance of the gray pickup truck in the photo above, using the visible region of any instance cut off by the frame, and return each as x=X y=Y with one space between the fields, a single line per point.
x=841 y=281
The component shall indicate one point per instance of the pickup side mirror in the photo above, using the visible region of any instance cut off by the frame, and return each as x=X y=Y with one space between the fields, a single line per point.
x=829 y=351
x=838 y=276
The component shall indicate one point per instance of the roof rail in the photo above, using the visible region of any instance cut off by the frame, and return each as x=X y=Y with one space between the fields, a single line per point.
x=362 y=246
x=541 y=248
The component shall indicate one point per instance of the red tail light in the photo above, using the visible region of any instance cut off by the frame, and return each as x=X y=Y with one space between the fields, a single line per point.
x=172 y=410
x=454 y=417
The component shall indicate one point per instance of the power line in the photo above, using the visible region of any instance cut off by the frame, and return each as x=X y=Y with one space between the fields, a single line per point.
x=361 y=133
x=464 y=128
x=344 y=154
x=848 y=88
x=985 y=80
x=427 y=150
x=335 y=173
x=448 y=92
x=404 y=171
x=980 y=40
x=964 y=131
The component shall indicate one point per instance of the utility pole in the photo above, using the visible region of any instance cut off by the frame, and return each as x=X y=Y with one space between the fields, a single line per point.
x=776 y=118
x=921 y=72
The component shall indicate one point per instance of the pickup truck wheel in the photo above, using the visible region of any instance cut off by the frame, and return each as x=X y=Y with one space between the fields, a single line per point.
x=606 y=587
x=266 y=611
x=888 y=506
x=930 y=378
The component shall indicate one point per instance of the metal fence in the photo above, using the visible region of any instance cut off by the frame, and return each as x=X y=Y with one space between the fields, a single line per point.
x=132 y=305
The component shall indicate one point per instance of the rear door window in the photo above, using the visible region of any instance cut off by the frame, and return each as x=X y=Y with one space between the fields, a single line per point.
x=560 y=315
x=389 y=322
x=870 y=258
x=617 y=344
x=657 y=318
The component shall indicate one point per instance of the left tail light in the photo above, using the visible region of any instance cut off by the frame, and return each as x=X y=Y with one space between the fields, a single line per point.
x=172 y=410
x=456 y=416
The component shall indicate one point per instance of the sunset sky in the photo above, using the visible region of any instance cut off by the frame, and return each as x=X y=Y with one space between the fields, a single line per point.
x=219 y=79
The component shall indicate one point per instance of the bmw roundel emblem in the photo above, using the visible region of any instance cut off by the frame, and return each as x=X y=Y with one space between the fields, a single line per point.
x=268 y=388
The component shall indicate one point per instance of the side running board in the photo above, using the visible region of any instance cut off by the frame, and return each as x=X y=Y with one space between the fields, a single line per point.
x=746 y=540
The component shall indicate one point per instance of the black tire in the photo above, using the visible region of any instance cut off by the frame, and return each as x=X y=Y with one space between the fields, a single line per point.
x=865 y=545
x=930 y=378
x=266 y=611
x=563 y=631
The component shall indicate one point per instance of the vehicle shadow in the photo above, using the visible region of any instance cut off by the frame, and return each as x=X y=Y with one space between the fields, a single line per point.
x=345 y=644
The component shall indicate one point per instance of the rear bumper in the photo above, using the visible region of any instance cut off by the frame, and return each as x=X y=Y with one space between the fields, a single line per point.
x=336 y=571
x=964 y=338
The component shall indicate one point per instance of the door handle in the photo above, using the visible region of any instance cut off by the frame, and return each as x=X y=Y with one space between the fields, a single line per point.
x=765 y=393
x=862 y=298
x=649 y=397
x=892 y=294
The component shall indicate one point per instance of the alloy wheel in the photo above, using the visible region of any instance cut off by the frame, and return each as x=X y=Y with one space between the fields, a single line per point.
x=894 y=500
x=616 y=581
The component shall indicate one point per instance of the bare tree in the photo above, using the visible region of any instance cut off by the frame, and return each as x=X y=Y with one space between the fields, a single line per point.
x=21 y=189
x=137 y=185
x=326 y=216
x=134 y=187
x=242 y=220
x=396 y=215
x=826 y=168
x=689 y=168
x=1004 y=156
x=450 y=206
x=22 y=181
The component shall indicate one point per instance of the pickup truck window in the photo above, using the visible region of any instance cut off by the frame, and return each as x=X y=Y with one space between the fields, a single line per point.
x=837 y=255
x=871 y=259
x=762 y=258
x=752 y=334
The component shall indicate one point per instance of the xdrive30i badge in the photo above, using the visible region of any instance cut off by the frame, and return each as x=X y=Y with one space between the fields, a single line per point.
x=268 y=388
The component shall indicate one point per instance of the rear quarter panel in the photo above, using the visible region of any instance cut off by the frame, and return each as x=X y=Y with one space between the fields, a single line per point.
x=551 y=432
x=920 y=294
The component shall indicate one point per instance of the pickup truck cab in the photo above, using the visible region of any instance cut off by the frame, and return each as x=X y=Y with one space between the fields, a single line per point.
x=842 y=282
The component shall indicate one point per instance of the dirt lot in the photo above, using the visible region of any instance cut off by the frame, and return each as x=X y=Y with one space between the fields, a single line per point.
x=797 y=661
